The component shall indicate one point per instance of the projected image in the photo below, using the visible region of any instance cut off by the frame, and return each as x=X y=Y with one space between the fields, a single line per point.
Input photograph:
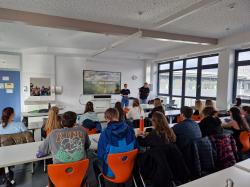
x=40 y=87
x=101 y=82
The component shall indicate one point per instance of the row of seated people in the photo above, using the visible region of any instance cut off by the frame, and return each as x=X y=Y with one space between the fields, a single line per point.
x=68 y=144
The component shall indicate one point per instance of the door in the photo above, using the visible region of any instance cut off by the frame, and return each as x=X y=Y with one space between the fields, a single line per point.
x=10 y=92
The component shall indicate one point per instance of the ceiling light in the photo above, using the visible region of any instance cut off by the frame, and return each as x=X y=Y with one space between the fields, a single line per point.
x=180 y=41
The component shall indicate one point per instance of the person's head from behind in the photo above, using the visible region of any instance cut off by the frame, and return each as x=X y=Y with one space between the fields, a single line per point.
x=161 y=126
x=136 y=103
x=53 y=122
x=8 y=115
x=157 y=102
x=235 y=114
x=89 y=107
x=198 y=105
x=111 y=114
x=209 y=102
x=125 y=85
x=118 y=106
x=69 y=119
x=186 y=112
x=246 y=110
x=238 y=101
x=208 y=111
x=145 y=85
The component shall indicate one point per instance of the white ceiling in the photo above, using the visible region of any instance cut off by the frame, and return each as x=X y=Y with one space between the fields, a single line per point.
x=211 y=21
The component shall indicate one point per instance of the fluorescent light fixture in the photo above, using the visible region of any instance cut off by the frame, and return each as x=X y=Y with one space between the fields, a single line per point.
x=180 y=41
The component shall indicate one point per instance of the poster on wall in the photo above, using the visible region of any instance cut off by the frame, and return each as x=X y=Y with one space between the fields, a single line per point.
x=40 y=87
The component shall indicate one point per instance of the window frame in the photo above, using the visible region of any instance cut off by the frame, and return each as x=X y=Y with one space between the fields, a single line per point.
x=199 y=69
x=238 y=64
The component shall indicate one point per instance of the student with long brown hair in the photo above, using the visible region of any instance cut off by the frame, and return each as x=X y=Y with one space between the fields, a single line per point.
x=160 y=135
x=7 y=124
x=136 y=112
x=157 y=107
x=118 y=106
x=53 y=121
x=89 y=113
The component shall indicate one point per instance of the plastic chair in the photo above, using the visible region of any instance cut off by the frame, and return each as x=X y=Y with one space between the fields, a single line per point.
x=196 y=117
x=92 y=131
x=68 y=174
x=122 y=165
x=245 y=141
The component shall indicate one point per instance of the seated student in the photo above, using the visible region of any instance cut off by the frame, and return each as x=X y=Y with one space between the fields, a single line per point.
x=7 y=124
x=236 y=124
x=209 y=103
x=198 y=107
x=118 y=106
x=136 y=112
x=210 y=124
x=187 y=130
x=53 y=121
x=160 y=135
x=157 y=107
x=89 y=113
x=68 y=144
x=246 y=113
x=118 y=137
x=238 y=102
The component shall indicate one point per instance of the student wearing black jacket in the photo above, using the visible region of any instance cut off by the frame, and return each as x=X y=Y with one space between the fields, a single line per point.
x=158 y=108
x=160 y=135
x=210 y=124
x=143 y=93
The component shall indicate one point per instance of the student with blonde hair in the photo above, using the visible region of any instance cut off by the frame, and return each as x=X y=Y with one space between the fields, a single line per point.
x=198 y=107
x=53 y=121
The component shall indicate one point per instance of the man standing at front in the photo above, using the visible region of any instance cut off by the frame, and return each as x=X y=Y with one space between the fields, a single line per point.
x=125 y=93
x=144 y=92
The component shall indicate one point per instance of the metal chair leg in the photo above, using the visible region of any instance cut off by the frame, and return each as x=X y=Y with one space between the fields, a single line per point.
x=99 y=180
x=134 y=182
x=143 y=183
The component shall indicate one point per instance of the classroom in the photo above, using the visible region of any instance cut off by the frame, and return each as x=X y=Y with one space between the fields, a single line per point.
x=124 y=93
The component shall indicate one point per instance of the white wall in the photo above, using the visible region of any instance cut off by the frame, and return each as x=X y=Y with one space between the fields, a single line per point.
x=69 y=74
x=10 y=61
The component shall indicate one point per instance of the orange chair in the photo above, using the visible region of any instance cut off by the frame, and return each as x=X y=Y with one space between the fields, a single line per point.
x=92 y=131
x=68 y=174
x=196 y=117
x=245 y=141
x=122 y=165
x=126 y=110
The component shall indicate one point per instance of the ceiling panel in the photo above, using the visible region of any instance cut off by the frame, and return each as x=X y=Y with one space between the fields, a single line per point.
x=218 y=21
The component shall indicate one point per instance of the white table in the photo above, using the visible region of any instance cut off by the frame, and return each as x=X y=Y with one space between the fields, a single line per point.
x=218 y=179
x=244 y=165
x=20 y=154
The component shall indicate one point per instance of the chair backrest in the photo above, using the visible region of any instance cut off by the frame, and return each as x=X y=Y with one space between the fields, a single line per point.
x=90 y=131
x=245 y=141
x=196 y=117
x=122 y=165
x=68 y=174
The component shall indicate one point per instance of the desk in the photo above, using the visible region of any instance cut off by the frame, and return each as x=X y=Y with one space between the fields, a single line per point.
x=244 y=165
x=218 y=179
x=19 y=154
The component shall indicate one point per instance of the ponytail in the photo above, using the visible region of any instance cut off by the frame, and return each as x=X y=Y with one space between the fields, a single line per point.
x=7 y=112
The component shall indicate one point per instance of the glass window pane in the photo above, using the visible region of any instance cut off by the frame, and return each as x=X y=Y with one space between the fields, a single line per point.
x=210 y=60
x=243 y=82
x=164 y=66
x=178 y=64
x=209 y=82
x=191 y=80
x=244 y=56
x=177 y=101
x=177 y=82
x=189 y=102
x=163 y=82
x=191 y=63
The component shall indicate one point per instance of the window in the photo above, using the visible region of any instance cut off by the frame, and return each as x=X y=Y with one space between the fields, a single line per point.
x=242 y=76
x=189 y=79
x=164 y=83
